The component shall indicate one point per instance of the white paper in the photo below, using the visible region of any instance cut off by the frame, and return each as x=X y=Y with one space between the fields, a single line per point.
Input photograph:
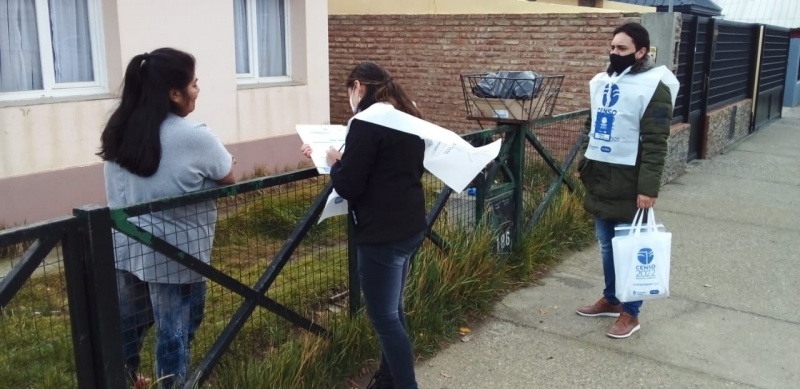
x=334 y=206
x=447 y=156
x=321 y=138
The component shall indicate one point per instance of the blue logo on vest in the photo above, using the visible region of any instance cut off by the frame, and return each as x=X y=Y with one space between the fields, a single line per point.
x=645 y=256
x=610 y=101
x=605 y=149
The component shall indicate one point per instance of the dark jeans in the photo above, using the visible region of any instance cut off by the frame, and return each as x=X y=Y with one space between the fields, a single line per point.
x=383 y=269
x=177 y=311
x=604 y=230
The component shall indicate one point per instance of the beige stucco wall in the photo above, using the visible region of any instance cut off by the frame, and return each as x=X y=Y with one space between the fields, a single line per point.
x=461 y=7
x=41 y=136
x=607 y=4
x=50 y=136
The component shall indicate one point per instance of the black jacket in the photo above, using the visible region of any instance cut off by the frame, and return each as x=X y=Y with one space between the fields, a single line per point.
x=380 y=175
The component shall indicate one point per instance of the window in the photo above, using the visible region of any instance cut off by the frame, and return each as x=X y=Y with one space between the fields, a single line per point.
x=261 y=40
x=49 y=48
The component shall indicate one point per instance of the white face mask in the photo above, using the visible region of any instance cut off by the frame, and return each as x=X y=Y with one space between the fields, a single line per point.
x=353 y=105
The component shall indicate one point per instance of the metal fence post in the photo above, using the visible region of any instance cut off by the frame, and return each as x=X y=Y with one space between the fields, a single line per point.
x=77 y=295
x=354 y=283
x=482 y=186
x=102 y=303
x=516 y=162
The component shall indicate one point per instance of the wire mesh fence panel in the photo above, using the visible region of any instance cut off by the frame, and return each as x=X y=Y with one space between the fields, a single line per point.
x=557 y=137
x=164 y=305
x=258 y=239
x=457 y=212
x=478 y=203
x=35 y=335
x=248 y=231
x=313 y=282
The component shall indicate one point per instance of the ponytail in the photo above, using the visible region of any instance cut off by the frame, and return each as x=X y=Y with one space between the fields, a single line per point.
x=394 y=94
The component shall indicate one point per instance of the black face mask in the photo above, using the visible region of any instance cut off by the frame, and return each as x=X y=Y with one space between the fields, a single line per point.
x=621 y=62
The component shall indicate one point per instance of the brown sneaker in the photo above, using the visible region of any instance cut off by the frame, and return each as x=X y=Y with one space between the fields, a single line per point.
x=624 y=327
x=601 y=308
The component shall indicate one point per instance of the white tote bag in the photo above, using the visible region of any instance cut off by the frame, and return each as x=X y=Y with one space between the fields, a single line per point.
x=642 y=260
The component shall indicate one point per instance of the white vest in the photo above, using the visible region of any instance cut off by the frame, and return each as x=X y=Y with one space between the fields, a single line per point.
x=618 y=104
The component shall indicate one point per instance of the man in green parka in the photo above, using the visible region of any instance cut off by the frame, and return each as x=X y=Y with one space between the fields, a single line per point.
x=623 y=154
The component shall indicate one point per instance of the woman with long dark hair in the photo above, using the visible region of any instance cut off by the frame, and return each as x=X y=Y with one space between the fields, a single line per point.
x=380 y=174
x=151 y=151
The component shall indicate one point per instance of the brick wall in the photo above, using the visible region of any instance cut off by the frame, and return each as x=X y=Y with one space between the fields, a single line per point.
x=724 y=126
x=427 y=53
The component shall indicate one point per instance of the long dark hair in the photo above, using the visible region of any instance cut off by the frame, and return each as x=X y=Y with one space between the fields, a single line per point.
x=380 y=87
x=131 y=137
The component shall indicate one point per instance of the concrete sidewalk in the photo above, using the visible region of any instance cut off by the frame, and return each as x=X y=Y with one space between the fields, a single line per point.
x=733 y=318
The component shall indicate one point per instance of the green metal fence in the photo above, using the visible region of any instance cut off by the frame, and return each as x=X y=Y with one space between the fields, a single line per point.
x=274 y=269
x=43 y=323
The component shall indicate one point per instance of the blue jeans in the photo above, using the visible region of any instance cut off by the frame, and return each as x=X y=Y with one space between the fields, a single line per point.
x=175 y=309
x=383 y=269
x=604 y=231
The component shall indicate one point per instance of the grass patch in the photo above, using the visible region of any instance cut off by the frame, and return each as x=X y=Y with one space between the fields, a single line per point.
x=445 y=291
x=35 y=337
x=13 y=251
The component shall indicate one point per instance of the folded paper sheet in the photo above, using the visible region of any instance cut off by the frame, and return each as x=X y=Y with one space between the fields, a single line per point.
x=447 y=156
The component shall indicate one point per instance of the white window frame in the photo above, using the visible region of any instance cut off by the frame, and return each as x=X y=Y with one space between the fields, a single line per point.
x=252 y=42
x=50 y=88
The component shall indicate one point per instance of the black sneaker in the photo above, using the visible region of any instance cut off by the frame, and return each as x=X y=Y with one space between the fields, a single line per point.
x=380 y=381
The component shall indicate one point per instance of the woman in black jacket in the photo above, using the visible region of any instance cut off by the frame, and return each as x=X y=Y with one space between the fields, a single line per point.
x=380 y=175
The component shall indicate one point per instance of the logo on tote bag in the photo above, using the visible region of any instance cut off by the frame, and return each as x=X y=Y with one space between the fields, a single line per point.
x=645 y=256
x=647 y=269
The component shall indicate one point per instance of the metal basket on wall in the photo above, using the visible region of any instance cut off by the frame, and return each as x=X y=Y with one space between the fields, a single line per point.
x=510 y=96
